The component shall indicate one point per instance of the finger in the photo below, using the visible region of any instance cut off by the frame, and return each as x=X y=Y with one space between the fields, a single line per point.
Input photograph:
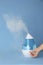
x=32 y=54
x=35 y=55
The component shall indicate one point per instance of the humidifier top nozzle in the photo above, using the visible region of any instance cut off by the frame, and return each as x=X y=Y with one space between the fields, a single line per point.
x=29 y=36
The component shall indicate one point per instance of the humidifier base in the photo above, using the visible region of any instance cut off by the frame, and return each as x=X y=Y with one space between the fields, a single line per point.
x=26 y=53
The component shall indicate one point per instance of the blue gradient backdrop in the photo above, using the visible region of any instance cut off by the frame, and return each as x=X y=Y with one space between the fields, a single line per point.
x=31 y=11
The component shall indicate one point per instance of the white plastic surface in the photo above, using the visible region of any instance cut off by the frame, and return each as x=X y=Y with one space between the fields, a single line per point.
x=29 y=36
x=26 y=53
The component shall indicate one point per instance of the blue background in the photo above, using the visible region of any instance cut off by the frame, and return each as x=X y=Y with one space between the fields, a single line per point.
x=31 y=12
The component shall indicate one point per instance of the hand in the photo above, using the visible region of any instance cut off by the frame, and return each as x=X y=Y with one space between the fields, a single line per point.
x=34 y=53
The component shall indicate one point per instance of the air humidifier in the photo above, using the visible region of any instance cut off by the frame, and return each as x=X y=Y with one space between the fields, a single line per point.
x=29 y=45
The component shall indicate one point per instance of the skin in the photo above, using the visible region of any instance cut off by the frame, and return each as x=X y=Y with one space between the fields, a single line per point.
x=35 y=52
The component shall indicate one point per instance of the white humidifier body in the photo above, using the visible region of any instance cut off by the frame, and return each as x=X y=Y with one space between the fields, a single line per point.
x=29 y=45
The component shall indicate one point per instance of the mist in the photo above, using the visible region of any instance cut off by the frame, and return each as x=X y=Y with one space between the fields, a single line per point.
x=15 y=24
x=18 y=29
